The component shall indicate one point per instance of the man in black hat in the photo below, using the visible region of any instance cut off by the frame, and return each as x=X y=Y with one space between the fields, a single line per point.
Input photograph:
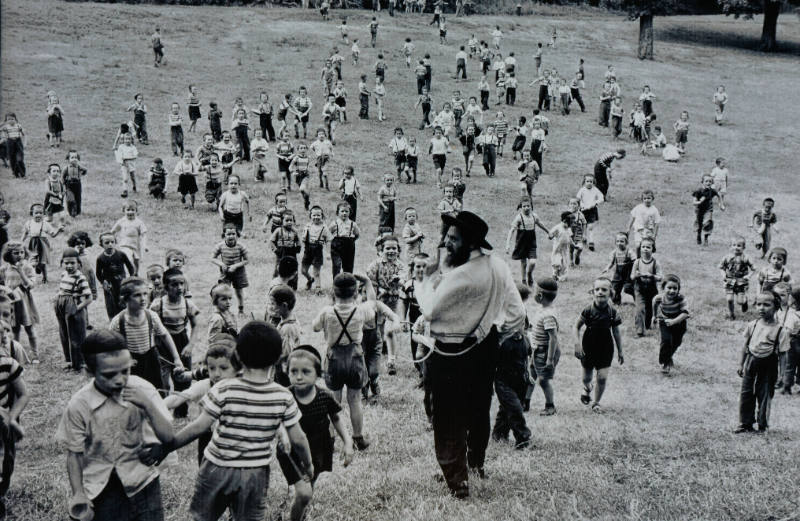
x=472 y=304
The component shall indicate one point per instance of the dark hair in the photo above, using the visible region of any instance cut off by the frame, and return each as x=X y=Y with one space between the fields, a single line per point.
x=671 y=278
x=127 y=287
x=768 y=200
x=99 y=342
x=287 y=266
x=230 y=226
x=5 y=216
x=345 y=285
x=171 y=274
x=283 y=294
x=309 y=353
x=225 y=348
x=79 y=236
x=565 y=216
x=259 y=345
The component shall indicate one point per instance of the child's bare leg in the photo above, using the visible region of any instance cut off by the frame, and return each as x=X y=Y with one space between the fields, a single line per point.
x=191 y=196
x=390 y=352
x=303 y=492
x=549 y=393
x=529 y=272
x=240 y=298
x=356 y=414
x=315 y=272
x=32 y=341
x=602 y=376
x=731 y=306
x=523 y=269
x=742 y=299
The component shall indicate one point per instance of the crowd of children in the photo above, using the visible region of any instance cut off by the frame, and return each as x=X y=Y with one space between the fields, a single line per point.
x=158 y=342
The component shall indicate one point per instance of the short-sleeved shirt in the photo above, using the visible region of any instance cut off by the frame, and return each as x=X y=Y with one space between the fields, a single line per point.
x=385 y=277
x=760 y=218
x=589 y=198
x=525 y=222
x=230 y=255
x=669 y=308
x=605 y=318
x=736 y=266
x=74 y=285
x=707 y=203
x=174 y=315
x=249 y=413
x=109 y=432
x=328 y=322
x=315 y=234
x=449 y=207
x=409 y=231
x=544 y=323
x=763 y=339
x=129 y=233
x=318 y=413
x=439 y=145
x=10 y=371
x=645 y=217
x=139 y=336
x=290 y=334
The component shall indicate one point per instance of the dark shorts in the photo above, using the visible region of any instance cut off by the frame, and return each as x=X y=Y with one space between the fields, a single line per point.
x=218 y=488
x=539 y=361
x=591 y=215
x=439 y=160
x=113 y=503
x=598 y=348
x=321 y=447
x=736 y=286
x=682 y=136
x=187 y=184
x=312 y=255
x=237 y=279
x=345 y=366
x=194 y=112
x=283 y=165
x=400 y=159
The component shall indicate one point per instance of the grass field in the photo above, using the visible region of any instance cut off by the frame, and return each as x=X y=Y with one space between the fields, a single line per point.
x=664 y=449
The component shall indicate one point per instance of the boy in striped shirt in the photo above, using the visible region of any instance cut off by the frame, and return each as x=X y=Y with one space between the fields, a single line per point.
x=248 y=410
x=13 y=398
x=546 y=351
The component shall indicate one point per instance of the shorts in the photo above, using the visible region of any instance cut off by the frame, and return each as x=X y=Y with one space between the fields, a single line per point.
x=682 y=136
x=734 y=286
x=312 y=255
x=187 y=184
x=322 y=161
x=283 y=165
x=194 y=112
x=237 y=279
x=591 y=215
x=345 y=366
x=598 y=348
x=321 y=447
x=299 y=177
x=399 y=159
x=540 y=361
x=242 y=489
x=439 y=160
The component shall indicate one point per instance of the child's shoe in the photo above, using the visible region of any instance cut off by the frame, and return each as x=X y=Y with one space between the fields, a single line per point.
x=585 y=398
x=360 y=443
x=523 y=444
x=391 y=369
x=743 y=428
x=549 y=410
x=596 y=408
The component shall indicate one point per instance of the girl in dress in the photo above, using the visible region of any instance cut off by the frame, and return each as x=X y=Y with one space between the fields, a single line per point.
x=17 y=274
x=55 y=119
x=38 y=244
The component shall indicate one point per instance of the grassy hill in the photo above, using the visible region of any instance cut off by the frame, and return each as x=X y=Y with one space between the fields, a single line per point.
x=664 y=449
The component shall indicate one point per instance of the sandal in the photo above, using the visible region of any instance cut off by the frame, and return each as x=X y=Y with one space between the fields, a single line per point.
x=585 y=398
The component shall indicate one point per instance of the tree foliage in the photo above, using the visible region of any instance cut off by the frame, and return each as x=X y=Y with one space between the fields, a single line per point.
x=771 y=9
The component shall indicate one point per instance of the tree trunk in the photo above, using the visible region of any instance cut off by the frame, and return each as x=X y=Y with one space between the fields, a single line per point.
x=646 y=37
x=769 y=31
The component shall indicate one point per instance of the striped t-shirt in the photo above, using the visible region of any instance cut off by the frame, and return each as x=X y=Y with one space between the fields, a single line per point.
x=10 y=370
x=74 y=285
x=230 y=254
x=139 y=336
x=248 y=414
x=669 y=308
x=543 y=324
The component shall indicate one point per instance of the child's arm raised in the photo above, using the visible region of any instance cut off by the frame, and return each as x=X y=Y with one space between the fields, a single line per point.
x=161 y=423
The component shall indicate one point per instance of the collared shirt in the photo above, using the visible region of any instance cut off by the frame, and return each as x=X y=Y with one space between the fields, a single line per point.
x=385 y=277
x=328 y=322
x=736 y=266
x=468 y=300
x=109 y=433
x=765 y=338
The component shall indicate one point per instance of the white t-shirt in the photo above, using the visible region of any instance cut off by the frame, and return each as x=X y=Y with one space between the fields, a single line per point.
x=589 y=198
x=645 y=217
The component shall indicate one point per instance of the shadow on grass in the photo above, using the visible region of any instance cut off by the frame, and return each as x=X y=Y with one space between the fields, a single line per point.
x=706 y=36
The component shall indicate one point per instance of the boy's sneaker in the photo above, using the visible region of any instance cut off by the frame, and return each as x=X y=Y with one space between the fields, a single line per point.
x=743 y=428
x=523 y=444
x=360 y=443
x=665 y=369
x=309 y=283
x=124 y=193
x=391 y=369
x=549 y=410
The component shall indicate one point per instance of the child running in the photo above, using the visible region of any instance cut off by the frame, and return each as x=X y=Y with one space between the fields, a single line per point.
x=524 y=227
x=669 y=310
x=595 y=349
x=736 y=269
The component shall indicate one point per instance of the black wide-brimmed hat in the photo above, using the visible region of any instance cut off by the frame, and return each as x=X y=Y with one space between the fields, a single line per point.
x=471 y=227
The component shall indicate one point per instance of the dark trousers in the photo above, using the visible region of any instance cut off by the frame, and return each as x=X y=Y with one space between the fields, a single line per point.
x=352 y=200
x=114 y=505
x=426 y=115
x=74 y=200
x=16 y=155
x=244 y=142
x=461 y=396
x=510 y=416
x=148 y=366
x=758 y=387
x=616 y=123
x=544 y=99
x=605 y=112
x=576 y=95
x=420 y=84
x=511 y=95
x=113 y=306
x=343 y=252
x=489 y=159
x=428 y=77
x=792 y=364
x=9 y=455
x=267 y=131
x=176 y=133
x=643 y=294
x=461 y=68
x=484 y=100
x=72 y=332
x=363 y=112
x=671 y=339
